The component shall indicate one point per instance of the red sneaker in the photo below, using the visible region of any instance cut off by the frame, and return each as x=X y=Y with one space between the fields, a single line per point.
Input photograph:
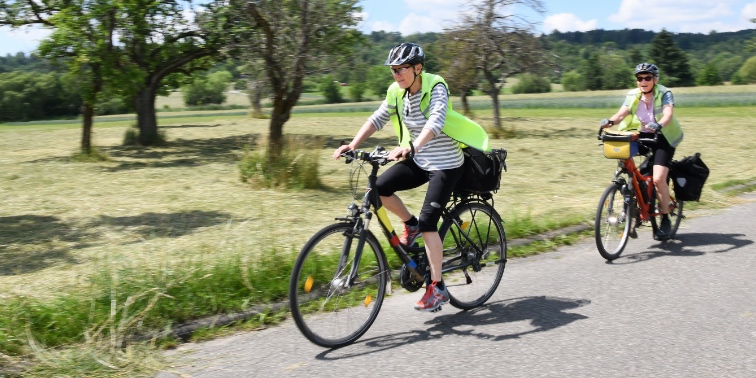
x=409 y=235
x=433 y=298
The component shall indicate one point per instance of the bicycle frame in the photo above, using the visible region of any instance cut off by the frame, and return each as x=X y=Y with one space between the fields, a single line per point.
x=371 y=200
x=644 y=200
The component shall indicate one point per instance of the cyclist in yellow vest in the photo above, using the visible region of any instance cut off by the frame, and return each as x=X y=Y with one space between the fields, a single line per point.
x=418 y=105
x=650 y=107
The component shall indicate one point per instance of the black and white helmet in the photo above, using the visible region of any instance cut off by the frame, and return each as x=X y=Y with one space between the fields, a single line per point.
x=647 y=68
x=405 y=53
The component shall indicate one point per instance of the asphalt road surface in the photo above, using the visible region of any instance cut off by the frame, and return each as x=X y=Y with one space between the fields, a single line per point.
x=685 y=308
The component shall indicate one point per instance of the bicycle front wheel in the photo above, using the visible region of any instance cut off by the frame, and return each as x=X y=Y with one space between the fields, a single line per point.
x=613 y=221
x=475 y=253
x=334 y=296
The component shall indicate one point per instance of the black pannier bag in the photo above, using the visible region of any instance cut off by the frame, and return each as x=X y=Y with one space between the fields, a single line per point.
x=688 y=175
x=482 y=170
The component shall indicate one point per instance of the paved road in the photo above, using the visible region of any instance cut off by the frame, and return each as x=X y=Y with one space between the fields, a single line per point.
x=686 y=308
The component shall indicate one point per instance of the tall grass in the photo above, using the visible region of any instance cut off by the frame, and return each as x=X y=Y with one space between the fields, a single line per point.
x=295 y=168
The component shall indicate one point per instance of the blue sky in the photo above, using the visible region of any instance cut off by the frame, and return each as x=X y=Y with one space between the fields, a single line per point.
x=412 y=16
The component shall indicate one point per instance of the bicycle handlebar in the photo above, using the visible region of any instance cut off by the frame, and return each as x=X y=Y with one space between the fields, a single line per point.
x=655 y=139
x=379 y=155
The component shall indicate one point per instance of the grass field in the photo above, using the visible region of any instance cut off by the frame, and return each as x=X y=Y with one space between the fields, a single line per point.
x=63 y=222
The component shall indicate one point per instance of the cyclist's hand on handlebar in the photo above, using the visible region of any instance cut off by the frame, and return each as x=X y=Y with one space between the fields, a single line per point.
x=606 y=123
x=654 y=126
x=341 y=150
x=399 y=153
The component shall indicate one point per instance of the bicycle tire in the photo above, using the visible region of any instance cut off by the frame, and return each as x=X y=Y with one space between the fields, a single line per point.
x=328 y=312
x=482 y=263
x=612 y=229
x=675 y=213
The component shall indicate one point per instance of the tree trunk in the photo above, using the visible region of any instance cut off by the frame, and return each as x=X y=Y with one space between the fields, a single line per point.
x=495 y=103
x=465 y=104
x=278 y=118
x=255 y=88
x=87 y=111
x=146 y=118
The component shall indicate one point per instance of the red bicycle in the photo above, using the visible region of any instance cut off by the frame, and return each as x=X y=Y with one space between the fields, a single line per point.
x=630 y=201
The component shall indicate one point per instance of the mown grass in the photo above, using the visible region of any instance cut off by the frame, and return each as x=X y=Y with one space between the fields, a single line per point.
x=89 y=246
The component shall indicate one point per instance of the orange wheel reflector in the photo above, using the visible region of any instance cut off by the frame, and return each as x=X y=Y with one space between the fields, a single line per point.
x=368 y=299
x=465 y=225
x=308 y=284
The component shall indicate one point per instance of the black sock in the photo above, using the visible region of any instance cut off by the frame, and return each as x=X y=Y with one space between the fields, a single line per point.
x=412 y=222
x=665 y=216
x=440 y=285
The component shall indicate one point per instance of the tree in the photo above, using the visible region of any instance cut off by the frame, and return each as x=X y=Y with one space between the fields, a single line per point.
x=207 y=90
x=709 y=76
x=460 y=73
x=502 y=44
x=573 y=81
x=82 y=38
x=330 y=89
x=671 y=60
x=747 y=73
x=530 y=83
x=190 y=39
x=289 y=36
x=140 y=42
x=615 y=72
x=591 y=70
x=378 y=80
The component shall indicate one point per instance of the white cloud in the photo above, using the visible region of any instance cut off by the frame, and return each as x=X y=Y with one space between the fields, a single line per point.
x=25 y=39
x=430 y=5
x=749 y=11
x=566 y=22
x=382 y=25
x=691 y=16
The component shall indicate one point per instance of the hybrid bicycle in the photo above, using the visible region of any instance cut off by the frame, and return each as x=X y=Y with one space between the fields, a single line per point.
x=630 y=201
x=342 y=274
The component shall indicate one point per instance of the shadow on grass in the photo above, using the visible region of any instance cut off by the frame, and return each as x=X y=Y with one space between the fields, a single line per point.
x=496 y=321
x=33 y=242
x=180 y=153
x=30 y=243
x=171 y=225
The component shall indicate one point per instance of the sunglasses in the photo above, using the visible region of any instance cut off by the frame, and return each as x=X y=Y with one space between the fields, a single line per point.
x=400 y=70
x=644 y=78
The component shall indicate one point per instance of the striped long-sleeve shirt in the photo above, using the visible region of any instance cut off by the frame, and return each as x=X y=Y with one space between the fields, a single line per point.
x=441 y=152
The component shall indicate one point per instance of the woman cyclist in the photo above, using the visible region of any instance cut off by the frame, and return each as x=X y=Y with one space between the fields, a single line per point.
x=650 y=107
x=418 y=105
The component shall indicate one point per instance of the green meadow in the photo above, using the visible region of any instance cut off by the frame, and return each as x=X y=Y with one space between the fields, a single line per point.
x=99 y=253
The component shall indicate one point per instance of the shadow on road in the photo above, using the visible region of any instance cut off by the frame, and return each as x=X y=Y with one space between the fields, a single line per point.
x=541 y=314
x=688 y=245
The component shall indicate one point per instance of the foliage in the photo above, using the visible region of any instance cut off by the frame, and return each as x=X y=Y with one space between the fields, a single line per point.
x=207 y=90
x=35 y=96
x=357 y=91
x=592 y=72
x=500 y=44
x=709 y=76
x=573 y=81
x=747 y=73
x=671 y=60
x=331 y=90
x=378 y=80
x=295 y=168
x=289 y=36
x=615 y=72
x=530 y=83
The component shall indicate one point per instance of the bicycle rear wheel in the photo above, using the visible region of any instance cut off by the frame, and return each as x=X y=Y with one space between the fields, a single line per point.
x=613 y=221
x=475 y=245
x=330 y=308
x=675 y=214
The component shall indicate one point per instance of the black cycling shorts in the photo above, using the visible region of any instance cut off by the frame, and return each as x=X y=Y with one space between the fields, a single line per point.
x=406 y=175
